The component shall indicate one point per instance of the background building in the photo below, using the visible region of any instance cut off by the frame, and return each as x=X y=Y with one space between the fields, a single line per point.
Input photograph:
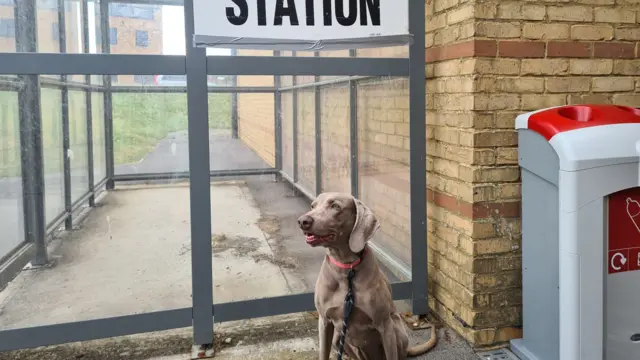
x=133 y=29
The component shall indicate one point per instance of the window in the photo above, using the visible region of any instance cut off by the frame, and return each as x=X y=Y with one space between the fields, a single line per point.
x=142 y=38
x=143 y=79
x=113 y=36
x=7 y=28
x=7 y=2
x=144 y=12
x=114 y=79
x=55 y=31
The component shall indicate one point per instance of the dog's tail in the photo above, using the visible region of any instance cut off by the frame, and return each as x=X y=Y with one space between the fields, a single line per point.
x=420 y=349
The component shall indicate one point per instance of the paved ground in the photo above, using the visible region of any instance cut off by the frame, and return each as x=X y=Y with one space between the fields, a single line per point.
x=172 y=155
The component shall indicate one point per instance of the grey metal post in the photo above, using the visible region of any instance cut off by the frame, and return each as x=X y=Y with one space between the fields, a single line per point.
x=277 y=125
x=417 y=158
x=318 y=132
x=31 y=134
x=294 y=100
x=68 y=220
x=353 y=132
x=89 y=110
x=234 y=102
x=199 y=186
x=108 y=100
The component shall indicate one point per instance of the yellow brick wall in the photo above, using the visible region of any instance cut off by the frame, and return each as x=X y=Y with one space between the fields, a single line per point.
x=489 y=61
x=256 y=113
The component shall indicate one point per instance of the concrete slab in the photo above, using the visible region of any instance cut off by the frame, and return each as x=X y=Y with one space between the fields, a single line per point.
x=132 y=255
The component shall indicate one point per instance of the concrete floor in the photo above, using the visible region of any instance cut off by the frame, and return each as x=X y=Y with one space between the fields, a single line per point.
x=132 y=255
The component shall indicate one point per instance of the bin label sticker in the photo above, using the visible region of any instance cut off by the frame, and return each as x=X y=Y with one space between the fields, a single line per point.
x=624 y=231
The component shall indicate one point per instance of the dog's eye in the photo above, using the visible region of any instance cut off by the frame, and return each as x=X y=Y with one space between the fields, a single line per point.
x=335 y=206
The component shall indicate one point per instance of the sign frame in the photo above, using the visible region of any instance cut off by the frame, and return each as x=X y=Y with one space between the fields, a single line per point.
x=225 y=24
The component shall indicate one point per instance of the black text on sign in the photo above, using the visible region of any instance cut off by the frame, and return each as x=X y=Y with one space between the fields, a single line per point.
x=345 y=12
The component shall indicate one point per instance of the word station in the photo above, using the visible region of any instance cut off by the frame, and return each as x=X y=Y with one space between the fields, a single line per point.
x=362 y=9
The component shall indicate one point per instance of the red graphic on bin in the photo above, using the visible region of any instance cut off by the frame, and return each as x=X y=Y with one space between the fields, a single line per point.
x=624 y=231
x=551 y=122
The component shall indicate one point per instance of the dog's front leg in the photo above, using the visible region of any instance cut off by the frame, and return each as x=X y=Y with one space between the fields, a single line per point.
x=325 y=332
x=390 y=341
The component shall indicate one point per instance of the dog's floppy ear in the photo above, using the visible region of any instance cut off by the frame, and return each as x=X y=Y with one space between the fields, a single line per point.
x=365 y=226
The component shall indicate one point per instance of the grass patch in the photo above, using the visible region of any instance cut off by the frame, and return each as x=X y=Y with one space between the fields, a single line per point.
x=140 y=121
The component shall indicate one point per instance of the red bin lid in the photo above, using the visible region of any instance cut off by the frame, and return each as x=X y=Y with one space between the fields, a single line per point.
x=551 y=122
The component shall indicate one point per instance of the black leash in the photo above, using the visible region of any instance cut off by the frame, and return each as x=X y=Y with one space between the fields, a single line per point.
x=348 y=307
x=349 y=300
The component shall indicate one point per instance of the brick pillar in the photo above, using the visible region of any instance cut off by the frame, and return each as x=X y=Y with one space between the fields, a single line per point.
x=489 y=61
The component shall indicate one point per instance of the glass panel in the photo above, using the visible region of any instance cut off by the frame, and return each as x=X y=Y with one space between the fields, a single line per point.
x=386 y=52
x=146 y=29
x=286 y=81
x=154 y=139
x=95 y=35
x=247 y=52
x=150 y=133
x=110 y=252
x=53 y=150
x=73 y=33
x=99 y=150
x=286 y=109
x=307 y=139
x=95 y=27
x=11 y=216
x=257 y=81
x=78 y=154
x=383 y=143
x=7 y=26
x=221 y=139
x=48 y=26
x=73 y=26
x=257 y=252
x=334 y=115
x=256 y=125
x=180 y=81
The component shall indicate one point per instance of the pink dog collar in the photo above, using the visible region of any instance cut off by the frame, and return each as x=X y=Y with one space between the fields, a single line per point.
x=347 y=266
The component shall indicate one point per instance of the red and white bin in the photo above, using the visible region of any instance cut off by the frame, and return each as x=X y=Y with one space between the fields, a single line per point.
x=580 y=233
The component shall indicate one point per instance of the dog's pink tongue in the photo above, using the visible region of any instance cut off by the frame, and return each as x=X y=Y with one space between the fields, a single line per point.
x=311 y=237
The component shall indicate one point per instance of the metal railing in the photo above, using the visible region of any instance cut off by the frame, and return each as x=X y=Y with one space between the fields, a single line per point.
x=29 y=65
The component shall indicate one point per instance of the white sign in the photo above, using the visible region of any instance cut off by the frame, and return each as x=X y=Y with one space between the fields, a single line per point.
x=301 y=24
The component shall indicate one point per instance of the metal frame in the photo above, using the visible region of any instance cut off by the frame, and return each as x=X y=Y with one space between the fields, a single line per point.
x=29 y=64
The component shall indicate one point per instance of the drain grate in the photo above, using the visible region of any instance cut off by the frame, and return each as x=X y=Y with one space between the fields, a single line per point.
x=499 y=354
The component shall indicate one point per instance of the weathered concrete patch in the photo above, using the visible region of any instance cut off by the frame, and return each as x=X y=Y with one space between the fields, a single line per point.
x=133 y=255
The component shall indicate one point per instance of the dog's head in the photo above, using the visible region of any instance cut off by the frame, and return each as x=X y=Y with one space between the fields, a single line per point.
x=338 y=219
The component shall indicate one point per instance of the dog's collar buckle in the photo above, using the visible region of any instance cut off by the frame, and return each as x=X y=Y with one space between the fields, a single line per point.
x=348 y=266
